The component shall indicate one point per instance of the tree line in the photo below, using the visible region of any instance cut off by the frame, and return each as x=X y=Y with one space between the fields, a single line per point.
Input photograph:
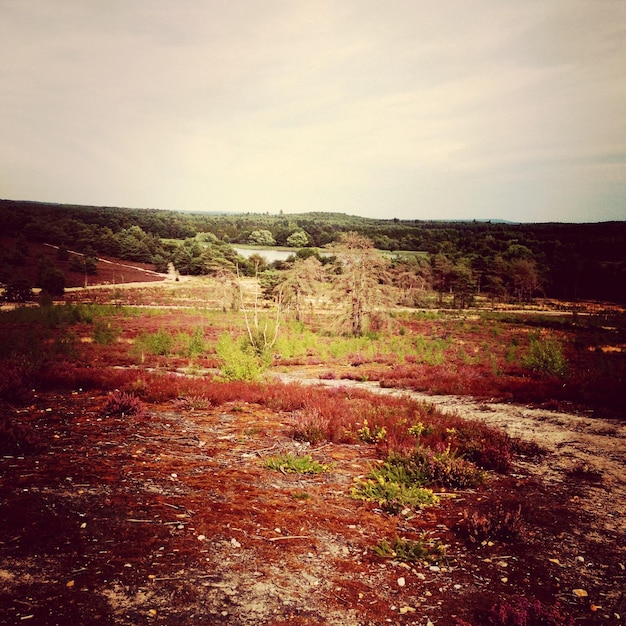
x=457 y=259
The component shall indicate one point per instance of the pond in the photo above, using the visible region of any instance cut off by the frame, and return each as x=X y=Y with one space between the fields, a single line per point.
x=269 y=254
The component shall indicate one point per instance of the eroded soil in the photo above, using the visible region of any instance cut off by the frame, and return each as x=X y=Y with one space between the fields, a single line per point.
x=173 y=519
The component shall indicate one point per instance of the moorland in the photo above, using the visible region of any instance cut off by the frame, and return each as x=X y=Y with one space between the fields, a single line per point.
x=418 y=436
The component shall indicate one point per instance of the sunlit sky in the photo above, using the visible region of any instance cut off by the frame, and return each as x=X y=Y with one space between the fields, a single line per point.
x=415 y=109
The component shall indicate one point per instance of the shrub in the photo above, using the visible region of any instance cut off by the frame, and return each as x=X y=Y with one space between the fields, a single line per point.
x=159 y=343
x=391 y=495
x=545 y=356
x=523 y=612
x=430 y=467
x=498 y=523
x=239 y=362
x=120 y=403
x=309 y=426
x=409 y=550
x=104 y=333
x=17 y=439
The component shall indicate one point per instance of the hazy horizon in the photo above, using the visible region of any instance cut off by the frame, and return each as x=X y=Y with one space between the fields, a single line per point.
x=408 y=109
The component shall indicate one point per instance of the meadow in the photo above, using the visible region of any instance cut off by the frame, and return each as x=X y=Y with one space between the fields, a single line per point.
x=158 y=467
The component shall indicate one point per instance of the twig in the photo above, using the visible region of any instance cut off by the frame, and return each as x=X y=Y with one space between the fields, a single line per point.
x=289 y=537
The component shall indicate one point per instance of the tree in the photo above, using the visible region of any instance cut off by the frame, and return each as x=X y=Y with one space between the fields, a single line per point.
x=463 y=285
x=261 y=238
x=302 y=280
x=362 y=285
x=412 y=276
x=298 y=239
x=443 y=271
x=525 y=279
x=49 y=277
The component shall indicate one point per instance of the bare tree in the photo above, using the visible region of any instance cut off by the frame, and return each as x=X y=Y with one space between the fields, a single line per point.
x=262 y=331
x=302 y=280
x=362 y=286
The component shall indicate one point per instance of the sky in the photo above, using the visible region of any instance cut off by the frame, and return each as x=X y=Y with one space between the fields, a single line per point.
x=410 y=109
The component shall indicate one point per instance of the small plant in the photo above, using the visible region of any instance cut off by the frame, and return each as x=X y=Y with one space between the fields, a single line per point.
x=310 y=426
x=159 y=343
x=295 y=464
x=122 y=404
x=585 y=471
x=196 y=345
x=545 y=356
x=499 y=523
x=393 y=496
x=237 y=361
x=104 y=333
x=430 y=467
x=409 y=550
x=375 y=434
x=192 y=403
x=17 y=439
x=523 y=612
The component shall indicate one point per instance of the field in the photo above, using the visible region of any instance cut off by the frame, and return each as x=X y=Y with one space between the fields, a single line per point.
x=455 y=468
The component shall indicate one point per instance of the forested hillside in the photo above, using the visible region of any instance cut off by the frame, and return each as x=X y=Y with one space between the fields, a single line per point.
x=501 y=260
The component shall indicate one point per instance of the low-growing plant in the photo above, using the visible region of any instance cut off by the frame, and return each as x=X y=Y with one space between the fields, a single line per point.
x=120 y=403
x=410 y=550
x=426 y=466
x=310 y=426
x=392 y=495
x=587 y=472
x=104 y=333
x=524 y=612
x=545 y=356
x=295 y=464
x=17 y=439
x=375 y=434
x=159 y=343
x=499 y=523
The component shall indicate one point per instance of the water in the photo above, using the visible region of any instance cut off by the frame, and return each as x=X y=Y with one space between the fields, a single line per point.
x=269 y=254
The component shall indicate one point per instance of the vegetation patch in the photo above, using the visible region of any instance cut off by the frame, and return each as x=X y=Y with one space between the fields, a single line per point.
x=295 y=464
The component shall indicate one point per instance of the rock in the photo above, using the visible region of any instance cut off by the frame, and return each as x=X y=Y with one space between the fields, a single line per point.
x=401 y=581
x=580 y=593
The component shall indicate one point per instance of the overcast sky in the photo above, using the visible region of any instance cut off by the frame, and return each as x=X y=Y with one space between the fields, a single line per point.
x=416 y=109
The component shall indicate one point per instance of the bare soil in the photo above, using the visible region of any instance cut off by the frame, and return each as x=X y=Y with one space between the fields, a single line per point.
x=173 y=519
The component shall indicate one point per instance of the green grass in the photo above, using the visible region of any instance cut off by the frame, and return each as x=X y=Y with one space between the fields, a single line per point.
x=295 y=464
x=409 y=550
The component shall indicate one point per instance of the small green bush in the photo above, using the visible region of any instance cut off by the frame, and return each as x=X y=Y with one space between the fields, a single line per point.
x=392 y=495
x=545 y=356
x=159 y=343
x=409 y=550
x=239 y=361
x=104 y=333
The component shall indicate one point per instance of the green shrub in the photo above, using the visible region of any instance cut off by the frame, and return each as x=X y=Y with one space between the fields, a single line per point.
x=546 y=357
x=393 y=495
x=239 y=361
x=104 y=333
x=409 y=550
x=159 y=343
x=428 y=467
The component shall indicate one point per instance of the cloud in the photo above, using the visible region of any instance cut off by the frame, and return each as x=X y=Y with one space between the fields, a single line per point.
x=450 y=109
